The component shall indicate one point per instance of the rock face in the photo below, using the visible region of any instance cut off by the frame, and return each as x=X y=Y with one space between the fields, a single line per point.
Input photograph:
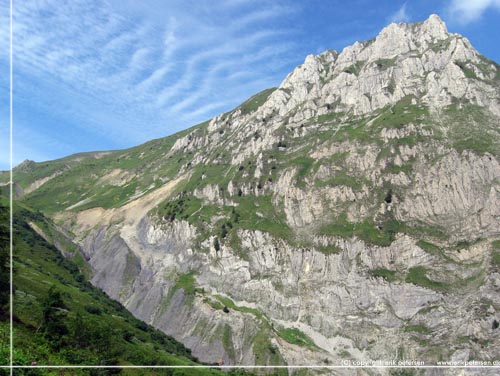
x=422 y=60
x=360 y=200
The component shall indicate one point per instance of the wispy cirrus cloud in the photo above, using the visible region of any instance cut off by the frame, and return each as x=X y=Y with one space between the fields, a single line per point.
x=263 y=58
x=124 y=74
x=467 y=11
x=210 y=61
x=401 y=15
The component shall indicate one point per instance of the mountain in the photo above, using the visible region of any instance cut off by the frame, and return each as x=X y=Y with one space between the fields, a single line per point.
x=357 y=201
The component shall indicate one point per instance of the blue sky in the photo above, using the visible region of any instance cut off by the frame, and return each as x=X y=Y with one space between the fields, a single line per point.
x=99 y=75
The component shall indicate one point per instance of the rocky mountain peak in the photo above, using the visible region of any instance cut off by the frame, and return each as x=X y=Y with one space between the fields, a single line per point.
x=395 y=39
x=421 y=59
x=401 y=38
x=431 y=29
x=435 y=26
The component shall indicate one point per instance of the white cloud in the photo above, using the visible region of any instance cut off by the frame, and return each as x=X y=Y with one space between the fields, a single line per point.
x=226 y=54
x=401 y=15
x=467 y=11
x=213 y=74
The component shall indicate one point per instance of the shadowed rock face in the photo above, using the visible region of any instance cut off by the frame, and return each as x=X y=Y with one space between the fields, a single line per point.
x=360 y=200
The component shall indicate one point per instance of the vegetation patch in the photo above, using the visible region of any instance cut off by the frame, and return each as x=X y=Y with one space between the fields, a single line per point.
x=186 y=282
x=181 y=207
x=468 y=72
x=82 y=173
x=296 y=337
x=230 y=304
x=355 y=68
x=441 y=45
x=252 y=104
x=392 y=168
x=341 y=178
x=227 y=341
x=356 y=131
x=381 y=235
x=429 y=247
x=495 y=255
x=481 y=138
x=269 y=221
x=402 y=113
x=344 y=354
x=417 y=328
x=419 y=229
x=418 y=276
x=328 y=249
x=215 y=304
x=384 y=64
x=388 y=275
x=326 y=118
x=266 y=353
x=480 y=145
x=304 y=165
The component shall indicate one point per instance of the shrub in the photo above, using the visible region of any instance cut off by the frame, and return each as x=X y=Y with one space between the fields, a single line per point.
x=93 y=310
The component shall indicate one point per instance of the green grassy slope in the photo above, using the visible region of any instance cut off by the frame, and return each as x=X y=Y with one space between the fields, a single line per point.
x=77 y=178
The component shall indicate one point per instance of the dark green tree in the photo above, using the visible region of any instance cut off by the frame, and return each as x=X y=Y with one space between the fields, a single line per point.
x=54 y=314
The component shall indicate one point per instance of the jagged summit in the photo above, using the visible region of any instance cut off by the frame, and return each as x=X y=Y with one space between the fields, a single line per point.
x=419 y=59
x=434 y=27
